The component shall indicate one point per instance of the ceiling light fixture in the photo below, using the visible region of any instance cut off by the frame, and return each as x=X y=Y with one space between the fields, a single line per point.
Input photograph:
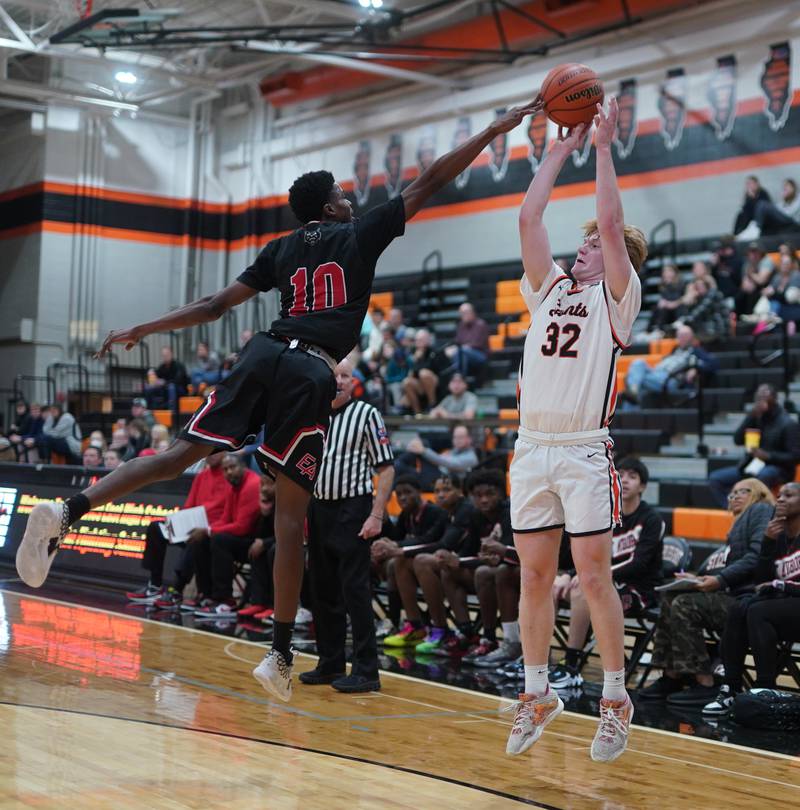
x=125 y=77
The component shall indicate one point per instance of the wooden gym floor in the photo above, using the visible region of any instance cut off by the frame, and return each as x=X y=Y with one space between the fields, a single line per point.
x=99 y=710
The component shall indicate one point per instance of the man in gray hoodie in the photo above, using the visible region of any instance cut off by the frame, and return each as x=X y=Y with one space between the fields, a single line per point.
x=60 y=434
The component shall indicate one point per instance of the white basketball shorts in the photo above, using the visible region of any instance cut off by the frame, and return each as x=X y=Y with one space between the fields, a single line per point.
x=564 y=481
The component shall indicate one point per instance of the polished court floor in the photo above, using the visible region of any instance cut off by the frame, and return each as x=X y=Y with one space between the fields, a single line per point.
x=100 y=710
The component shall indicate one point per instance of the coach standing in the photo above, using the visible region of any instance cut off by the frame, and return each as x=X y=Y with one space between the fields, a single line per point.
x=344 y=516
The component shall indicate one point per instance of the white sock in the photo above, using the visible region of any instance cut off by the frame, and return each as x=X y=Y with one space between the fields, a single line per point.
x=614 y=685
x=536 y=680
x=511 y=631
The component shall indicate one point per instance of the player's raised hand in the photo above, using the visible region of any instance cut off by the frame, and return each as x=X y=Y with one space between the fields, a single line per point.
x=513 y=118
x=573 y=138
x=606 y=123
x=130 y=337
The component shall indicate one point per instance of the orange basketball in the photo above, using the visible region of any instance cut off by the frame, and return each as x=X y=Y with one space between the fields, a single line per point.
x=570 y=93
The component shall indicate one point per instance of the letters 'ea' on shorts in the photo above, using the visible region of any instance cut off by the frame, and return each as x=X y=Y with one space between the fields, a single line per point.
x=287 y=391
x=572 y=486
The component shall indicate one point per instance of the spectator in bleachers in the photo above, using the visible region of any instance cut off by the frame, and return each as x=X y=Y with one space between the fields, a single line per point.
x=372 y=350
x=636 y=551
x=139 y=410
x=158 y=435
x=138 y=439
x=428 y=465
x=26 y=430
x=783 y=289
x=770 y=218
x=670 y=293
x=761 y=621
x=244 y=338
x=679 y=644
x=209 y=490
x=60 y=434
x=395 y=368
x=471 y=349
x=419 y=387
x=677 y=370
x=771 y=438
x=206 y=368
x=112 y=458
x=460 y=403
x=745 y=227
x=726 y=267
x=419 y=529
x=396 y=324
x=92 y=456
x=756 y=273
x=119 y=436
x=236 y=527
x=700 y=270
x=167 y=382
x=706 y=310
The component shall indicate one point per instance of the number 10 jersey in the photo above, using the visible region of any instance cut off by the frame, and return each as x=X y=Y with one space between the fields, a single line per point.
x=568 y=371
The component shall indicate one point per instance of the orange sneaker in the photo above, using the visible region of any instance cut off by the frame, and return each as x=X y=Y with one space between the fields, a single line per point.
x=611 y=738
x=533 y=714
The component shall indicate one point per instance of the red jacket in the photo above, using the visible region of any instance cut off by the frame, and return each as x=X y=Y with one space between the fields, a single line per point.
x=242 y=508
x=209 y=489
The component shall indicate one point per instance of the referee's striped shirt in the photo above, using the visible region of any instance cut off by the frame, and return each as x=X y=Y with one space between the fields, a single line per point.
x=356 y=444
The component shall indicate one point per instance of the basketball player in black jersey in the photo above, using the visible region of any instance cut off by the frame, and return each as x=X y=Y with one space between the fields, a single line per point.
x=284 y=379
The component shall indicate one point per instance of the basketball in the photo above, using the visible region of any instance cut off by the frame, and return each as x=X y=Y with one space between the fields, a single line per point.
x=570 y=93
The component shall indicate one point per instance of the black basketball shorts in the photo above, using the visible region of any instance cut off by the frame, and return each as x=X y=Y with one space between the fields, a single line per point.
x=287 y=391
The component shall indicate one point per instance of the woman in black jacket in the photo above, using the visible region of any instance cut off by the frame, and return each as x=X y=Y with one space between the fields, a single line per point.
x=679 y=646
x=772 y=614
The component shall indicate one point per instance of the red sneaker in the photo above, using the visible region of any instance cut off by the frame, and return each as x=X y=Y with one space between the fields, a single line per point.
x=251 y=610
x=265 y=616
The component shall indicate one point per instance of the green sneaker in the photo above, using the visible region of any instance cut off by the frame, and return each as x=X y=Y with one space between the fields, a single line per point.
x=433 y=641
x=409 y=636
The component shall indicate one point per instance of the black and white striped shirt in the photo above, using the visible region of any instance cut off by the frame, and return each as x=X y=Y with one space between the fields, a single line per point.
x=356 y=444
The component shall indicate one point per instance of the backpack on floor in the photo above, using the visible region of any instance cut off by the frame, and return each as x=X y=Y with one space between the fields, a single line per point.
x=769 y=709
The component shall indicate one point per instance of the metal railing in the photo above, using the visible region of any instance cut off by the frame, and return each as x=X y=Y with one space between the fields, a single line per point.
x=659 y=250
x=30 y=386
x=683 y=396
x=782 y=353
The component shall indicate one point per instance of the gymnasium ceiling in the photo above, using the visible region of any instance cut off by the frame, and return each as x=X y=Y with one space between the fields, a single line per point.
x=296 y=50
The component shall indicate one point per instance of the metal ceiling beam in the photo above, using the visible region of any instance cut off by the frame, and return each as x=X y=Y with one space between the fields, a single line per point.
x=15 y=29
x=31 y=90
x=362 y=66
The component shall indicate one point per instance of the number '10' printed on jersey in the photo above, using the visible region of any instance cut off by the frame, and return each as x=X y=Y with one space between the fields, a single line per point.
x=322 y=289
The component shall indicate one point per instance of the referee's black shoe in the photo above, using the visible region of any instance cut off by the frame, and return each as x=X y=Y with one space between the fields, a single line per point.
x=317 y=676
x=356 y=683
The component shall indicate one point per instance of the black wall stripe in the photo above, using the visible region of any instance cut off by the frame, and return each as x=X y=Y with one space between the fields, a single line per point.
x=699 y=144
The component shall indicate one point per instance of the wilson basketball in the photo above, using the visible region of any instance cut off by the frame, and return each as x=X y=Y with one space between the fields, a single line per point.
x=570 y=93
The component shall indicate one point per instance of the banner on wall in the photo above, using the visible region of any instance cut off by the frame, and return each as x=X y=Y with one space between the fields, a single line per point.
x=722 y=96
x=537 y=139
x=581 y=156
x=393 y=164
x=776 y=82
x=627 y=122
x=426 y=149
x=361 y=166
x=672 y=107
x=462 y=134
x=498 y=151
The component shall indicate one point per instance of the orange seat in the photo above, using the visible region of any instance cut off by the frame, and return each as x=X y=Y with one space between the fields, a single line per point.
x=625 y=360
x=701 y=524
x=57 y=458
x=496 y=342
x=164 y=417
x=508 y=287
x=189 y=404
x=662 y=347
x=517 y=328
x=510 y=304
x=381 y=300
x=511 y=414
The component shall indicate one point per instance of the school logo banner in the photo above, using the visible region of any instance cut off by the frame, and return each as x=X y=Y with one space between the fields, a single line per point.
x=672 y=107
x=722 y=96
x=361 y=173
x=393 y=164
x=776 y=82
x=498 y=151
x=627 y=122
x=537 y=138
x=463 y=133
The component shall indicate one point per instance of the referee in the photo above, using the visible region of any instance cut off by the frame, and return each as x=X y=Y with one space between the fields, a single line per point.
x=344 y=517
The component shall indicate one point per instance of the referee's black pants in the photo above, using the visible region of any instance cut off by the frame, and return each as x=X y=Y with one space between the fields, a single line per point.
x=339 y=569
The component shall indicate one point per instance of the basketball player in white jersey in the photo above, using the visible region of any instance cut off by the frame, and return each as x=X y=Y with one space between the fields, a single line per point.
x=562 y=475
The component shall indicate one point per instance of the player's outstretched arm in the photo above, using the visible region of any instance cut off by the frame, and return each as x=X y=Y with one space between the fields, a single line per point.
x=610 y=217
x=536 y=256
x=203 y=310
x=449 y=166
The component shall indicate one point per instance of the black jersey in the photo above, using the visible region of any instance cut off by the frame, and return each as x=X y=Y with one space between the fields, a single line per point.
x=637 y=548
x=324 y=273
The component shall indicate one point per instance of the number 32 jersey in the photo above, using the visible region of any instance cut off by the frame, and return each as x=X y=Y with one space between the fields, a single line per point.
x=568 y=372
x=324 y=274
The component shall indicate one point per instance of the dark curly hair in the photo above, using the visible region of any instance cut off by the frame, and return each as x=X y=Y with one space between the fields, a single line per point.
x=489 y=477
x=309 y=193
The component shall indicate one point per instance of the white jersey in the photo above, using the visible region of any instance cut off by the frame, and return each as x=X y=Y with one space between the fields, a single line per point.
x=568 y=372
